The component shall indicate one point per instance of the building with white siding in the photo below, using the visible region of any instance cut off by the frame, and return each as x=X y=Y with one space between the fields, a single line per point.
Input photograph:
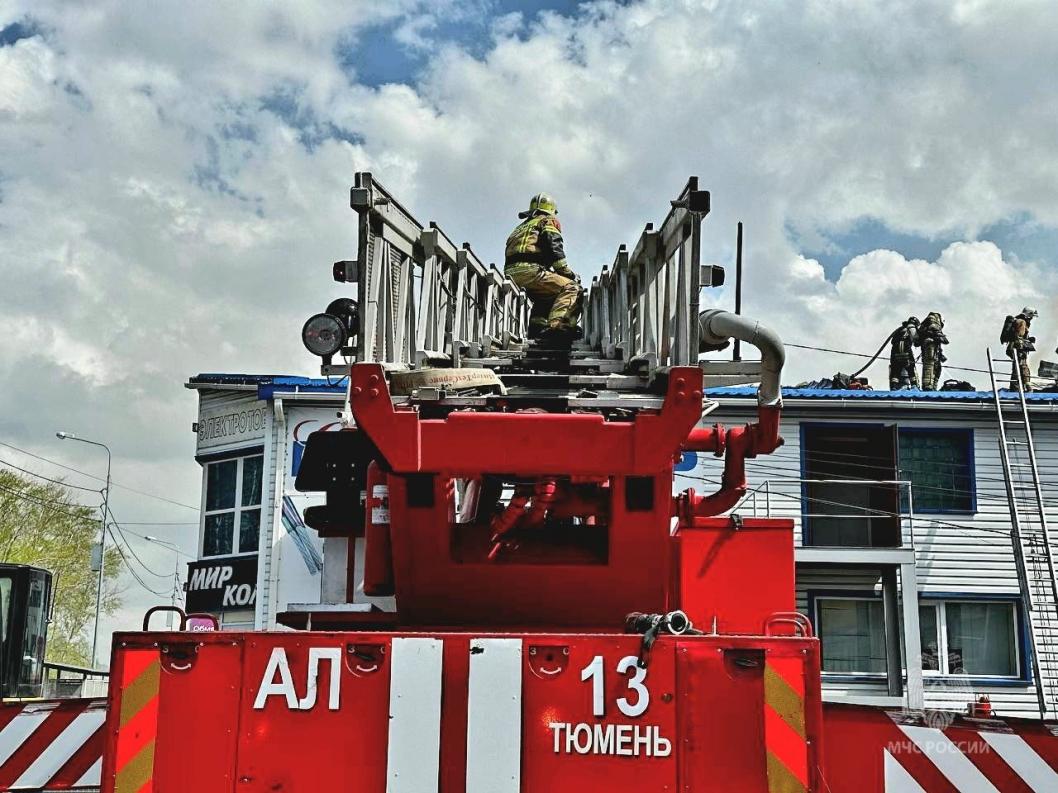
x=913 y=501
x=900 y=510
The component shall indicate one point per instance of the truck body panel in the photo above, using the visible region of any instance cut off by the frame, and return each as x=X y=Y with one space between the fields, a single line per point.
x=452 y=712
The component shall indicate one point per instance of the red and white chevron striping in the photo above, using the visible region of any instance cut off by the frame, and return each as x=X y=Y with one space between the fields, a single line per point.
x=870 y=749
x=51 y=745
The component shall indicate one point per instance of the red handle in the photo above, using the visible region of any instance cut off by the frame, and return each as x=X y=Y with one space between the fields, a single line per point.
x=799 y=621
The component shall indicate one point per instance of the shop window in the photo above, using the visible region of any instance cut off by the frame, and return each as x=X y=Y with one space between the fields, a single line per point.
x=232 y=520
x=852 y=634
x=975 y=638
x=939 y=464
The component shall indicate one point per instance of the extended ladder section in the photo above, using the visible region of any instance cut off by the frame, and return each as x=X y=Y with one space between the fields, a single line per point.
x=1030 y=535
x=424 y=303
x=423 y=300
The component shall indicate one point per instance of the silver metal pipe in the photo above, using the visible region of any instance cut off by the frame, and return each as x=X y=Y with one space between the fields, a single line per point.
x=678 y=622
x=716 y=327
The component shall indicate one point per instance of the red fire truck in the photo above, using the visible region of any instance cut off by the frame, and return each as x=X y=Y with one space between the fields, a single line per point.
x=563 y=621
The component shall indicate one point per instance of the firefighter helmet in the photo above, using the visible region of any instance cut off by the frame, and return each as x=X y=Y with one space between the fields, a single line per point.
x=541 y=202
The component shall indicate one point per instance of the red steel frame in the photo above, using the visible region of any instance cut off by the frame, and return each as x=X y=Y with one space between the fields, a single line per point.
x=639 y=573
x=468 y=443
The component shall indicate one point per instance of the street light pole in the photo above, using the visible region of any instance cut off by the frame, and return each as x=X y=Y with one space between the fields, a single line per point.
x=102 y=537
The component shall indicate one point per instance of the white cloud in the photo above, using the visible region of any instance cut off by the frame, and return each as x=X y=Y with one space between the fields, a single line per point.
x=970 y=284
x=174 y=178
x=27 y=89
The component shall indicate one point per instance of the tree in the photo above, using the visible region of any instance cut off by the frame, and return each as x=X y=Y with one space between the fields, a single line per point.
x=42 y=524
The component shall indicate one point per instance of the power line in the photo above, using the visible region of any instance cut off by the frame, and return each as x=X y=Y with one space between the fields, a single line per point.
x=781 y=472
x=51 y=505
x=99 y=478
x=115 y=525
x=868 y=511
x=969 y=474
x=55 y=507
x=887 y=462
x=766 y=465
x=42 y=503
x=48 y=479
x=881 y=460
x=865 y=355
x=158 y=523
x=131 y=569
x=145 y=538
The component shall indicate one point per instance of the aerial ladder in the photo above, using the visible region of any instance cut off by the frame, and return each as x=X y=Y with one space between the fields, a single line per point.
x=561 y=620
x=1029 y=533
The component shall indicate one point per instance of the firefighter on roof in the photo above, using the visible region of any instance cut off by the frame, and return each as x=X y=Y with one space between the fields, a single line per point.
x=931 y=337
x=902 y=372
x=1019 y=343
x=536 y=261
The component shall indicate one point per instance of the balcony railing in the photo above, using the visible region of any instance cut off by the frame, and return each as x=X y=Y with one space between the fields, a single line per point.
x=844 y=513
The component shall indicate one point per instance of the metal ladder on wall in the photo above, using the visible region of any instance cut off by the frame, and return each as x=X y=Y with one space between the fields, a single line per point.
x=1030 y=536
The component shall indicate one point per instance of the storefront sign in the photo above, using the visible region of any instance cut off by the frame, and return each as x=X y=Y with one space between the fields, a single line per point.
x=303 y=422
x=222 y=583
x=232 y=425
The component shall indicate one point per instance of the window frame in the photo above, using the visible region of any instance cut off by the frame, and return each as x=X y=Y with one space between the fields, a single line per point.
x=803 y=453
x=1022 y=648
x=239 y=456
x=971 y=465
x=814 y=599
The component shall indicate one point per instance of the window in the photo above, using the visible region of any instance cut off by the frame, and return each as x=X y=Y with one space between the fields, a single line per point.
x=232 y=517
x=852 y=634
x=849 y=508
x=236 y=620
x=975 y=638
x=33 y=637
x=939 y=464
x=5 y=606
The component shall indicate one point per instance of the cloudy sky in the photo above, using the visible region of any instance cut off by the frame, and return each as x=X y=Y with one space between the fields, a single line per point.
x=174 y=181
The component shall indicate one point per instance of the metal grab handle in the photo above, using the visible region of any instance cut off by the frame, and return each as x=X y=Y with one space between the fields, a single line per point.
x=799 y=621
x=155 y=609
x=183 y=617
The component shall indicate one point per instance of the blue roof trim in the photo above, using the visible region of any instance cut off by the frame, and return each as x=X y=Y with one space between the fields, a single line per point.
x=269 y=384
x=909 y=395
x=302 y=385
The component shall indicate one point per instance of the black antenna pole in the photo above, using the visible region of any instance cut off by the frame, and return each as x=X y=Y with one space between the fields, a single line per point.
x=737 y=353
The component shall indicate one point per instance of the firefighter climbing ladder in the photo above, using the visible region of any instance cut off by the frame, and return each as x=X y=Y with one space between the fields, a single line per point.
x=1030 y=535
